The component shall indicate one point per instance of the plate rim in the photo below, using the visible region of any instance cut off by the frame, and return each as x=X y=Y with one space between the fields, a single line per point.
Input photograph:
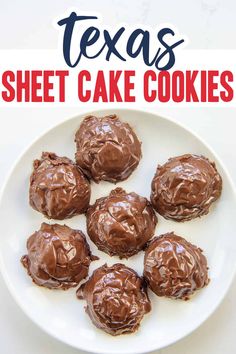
x=115 y=110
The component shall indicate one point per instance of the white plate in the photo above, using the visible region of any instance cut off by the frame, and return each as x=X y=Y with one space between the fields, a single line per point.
x=59 y=313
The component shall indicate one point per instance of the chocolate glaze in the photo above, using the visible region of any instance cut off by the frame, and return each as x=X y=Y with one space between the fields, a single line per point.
x=185 y=187
x=58 y=189
x=107 y=149
x=116 y=299
x=58 y=257
x=174 y=267
x=121 y=224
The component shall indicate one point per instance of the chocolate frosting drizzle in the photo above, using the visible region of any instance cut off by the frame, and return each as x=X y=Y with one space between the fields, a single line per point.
x=58 y=188
x=58 y=257
x=185 y=187
x=121 y=224
x=116 y=299
x=107 y=149
x=174 y=267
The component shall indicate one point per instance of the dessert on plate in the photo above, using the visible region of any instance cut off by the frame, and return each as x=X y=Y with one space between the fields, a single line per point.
x=116 y=299
x=121 y=223
x=107 y=148
x=58 y=257
x=174 y=267
x=185 y=187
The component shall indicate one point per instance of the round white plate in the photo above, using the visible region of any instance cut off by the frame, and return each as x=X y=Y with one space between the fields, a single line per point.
x=59 y=313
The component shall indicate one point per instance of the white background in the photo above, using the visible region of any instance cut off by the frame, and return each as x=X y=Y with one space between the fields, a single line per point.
x=27 y=24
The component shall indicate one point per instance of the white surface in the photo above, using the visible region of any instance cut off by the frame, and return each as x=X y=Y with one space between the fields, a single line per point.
x=27 y=24
x=59 y=313
x=207 y=23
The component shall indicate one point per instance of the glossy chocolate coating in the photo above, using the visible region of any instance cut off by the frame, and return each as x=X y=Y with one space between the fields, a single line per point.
x=107 y=149
x=58 y=257
x=121 y=224
x=116 y=299
x=58 y=188
x=174 y=267
x=185 y=187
